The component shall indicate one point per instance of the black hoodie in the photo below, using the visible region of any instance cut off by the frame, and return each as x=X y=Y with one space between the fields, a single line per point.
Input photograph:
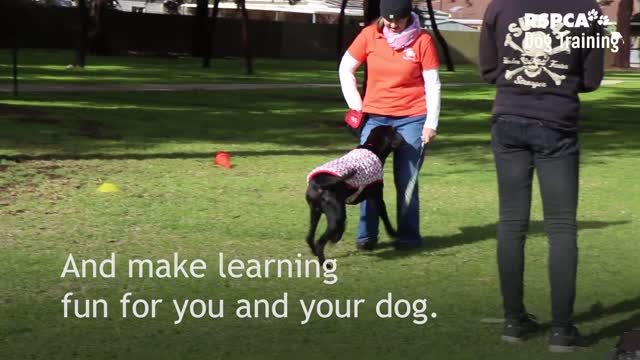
x=523 y=55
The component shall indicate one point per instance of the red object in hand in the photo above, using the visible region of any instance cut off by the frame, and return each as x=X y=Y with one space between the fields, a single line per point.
x=223 y=159
x=354 y=118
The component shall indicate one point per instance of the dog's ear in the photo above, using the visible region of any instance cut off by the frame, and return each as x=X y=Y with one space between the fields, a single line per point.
x=397 y=140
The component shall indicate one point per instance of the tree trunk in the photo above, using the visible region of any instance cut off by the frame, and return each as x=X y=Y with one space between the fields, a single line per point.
x=81 y=50
x=246 y=42
x=212 y=28
x=206 y=54
x=371 y=11
x=199 y=28
x=12 y=14
x=340 y=38
x=371 y=14
x=99 y=41
x=622 y=57
x=440 y=38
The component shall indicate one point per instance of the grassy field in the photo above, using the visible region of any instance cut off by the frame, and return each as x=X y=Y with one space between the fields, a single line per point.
x=50 y=67
x=56 y=149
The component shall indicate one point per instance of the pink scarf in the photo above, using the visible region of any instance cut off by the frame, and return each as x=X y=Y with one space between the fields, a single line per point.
x=401 y=40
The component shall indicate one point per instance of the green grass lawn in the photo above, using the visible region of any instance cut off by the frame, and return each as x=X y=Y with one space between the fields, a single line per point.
x=50 y=67
x=56 y=149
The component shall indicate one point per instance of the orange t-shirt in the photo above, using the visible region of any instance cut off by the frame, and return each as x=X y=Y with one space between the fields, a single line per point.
x=395 y=86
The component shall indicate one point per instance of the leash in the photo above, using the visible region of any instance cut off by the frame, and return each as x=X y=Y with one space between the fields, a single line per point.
x=412 y=182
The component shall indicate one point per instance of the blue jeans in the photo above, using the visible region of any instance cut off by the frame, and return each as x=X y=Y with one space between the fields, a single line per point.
x=405 y=165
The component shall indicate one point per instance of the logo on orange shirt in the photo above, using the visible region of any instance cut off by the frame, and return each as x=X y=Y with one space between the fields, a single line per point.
x=409 y=54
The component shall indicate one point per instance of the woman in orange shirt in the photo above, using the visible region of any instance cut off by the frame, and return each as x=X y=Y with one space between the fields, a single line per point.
x=403 y=91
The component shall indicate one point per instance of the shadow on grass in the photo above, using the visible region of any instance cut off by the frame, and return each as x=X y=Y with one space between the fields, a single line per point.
x=618 y=328
x=172 y=155
x=599 y=311
x=122 y=124
x=473 y=234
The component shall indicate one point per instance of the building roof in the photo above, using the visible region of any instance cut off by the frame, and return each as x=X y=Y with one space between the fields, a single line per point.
x=468 y=12
x=354 y=7
x=474 y=9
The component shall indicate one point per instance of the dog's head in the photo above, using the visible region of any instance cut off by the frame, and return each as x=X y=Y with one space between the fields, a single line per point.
x=382 y=140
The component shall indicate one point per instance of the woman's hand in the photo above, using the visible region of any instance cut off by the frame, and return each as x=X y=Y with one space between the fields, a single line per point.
x=428 y=134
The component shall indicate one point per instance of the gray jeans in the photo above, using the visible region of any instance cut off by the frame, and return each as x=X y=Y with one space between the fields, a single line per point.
x=521 y=145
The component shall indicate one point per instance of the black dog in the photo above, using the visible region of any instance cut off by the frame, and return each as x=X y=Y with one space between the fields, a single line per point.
x=330 y=190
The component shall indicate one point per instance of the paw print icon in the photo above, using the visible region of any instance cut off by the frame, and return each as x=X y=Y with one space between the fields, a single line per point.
x=592 y=15
x=603 y=20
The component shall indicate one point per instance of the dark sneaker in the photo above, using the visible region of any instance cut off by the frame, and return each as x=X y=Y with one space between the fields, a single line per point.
x=518 y=330
x=368 y=244
x=566 y=339
x=407 y=245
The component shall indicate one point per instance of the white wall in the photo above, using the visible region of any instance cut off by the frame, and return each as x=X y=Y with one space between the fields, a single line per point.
x=150 y=7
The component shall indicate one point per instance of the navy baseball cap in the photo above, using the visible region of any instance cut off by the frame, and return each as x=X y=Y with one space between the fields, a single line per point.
x=395 y=9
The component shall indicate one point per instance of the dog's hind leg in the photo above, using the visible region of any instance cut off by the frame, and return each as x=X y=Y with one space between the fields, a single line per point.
x=336 y=219
x=315 y=214
x=319 y=247
x=341 y=224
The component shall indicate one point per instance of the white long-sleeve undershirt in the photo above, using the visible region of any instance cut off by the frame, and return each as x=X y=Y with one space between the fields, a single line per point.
x=347 y=70
x=432 y=95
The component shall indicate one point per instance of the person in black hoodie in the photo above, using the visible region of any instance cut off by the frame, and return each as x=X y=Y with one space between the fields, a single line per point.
x=531 y=50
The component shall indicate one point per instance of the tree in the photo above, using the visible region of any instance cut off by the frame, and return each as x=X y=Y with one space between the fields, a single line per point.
x=98 y=35
x=199 y=35
x=246 y=40
x=371 y=10
x=440 y=38
x=340 y=38
x=625 y=11
x=92 y=30
x=204 y=30
x=206 y=62
x=12 y=14
x=81 y=50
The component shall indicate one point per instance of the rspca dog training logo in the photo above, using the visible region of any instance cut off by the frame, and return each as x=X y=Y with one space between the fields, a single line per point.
x=539 y=37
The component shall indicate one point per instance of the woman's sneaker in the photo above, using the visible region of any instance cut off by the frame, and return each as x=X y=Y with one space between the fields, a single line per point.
x=518 y=330
x=366 y=244
x=402 y=244
x=566 y=339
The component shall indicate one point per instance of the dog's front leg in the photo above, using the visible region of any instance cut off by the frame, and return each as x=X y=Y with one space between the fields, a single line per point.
x=315 y=214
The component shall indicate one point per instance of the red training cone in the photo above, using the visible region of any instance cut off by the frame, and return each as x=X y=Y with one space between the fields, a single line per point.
x=223 y=159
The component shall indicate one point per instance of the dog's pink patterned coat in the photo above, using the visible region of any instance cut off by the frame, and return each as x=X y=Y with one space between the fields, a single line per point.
x=366 y=165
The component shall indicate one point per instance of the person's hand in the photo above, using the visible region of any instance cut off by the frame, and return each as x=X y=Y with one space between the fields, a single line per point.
x=353 y=118
x=428 y=134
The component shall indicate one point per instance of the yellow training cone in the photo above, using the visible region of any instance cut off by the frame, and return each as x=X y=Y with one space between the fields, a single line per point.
x=108 y=187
